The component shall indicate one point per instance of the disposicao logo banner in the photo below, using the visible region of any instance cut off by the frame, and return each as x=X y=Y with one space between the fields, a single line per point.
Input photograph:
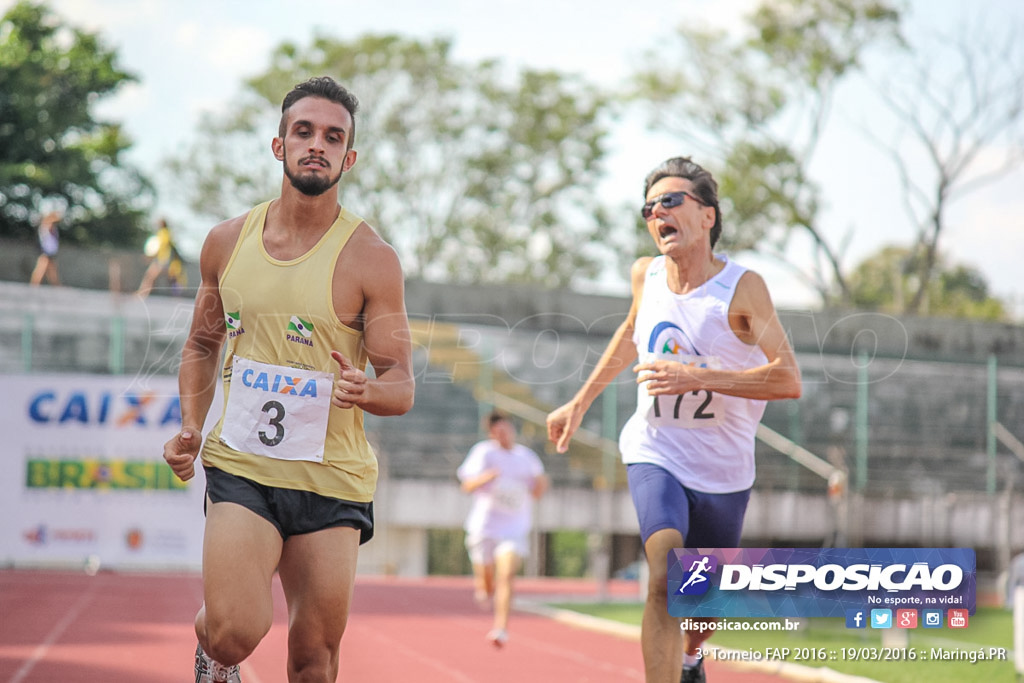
x=817 y=582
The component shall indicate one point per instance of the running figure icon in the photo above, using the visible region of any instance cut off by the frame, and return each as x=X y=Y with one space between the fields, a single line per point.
x=696 y=570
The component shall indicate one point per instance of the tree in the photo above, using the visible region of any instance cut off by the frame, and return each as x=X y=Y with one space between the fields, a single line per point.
x=885 y=280
x=52 y=149
x=949 y=118
x=474 y=174
x=758 y=105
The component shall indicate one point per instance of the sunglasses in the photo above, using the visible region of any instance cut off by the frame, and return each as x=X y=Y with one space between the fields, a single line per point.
x=669 y=200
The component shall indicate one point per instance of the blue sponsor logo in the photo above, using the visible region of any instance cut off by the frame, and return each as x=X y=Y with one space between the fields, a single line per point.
x=278 y=384
x=104 y=408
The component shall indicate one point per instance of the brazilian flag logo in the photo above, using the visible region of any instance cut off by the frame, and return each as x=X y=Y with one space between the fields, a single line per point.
x=301 y=327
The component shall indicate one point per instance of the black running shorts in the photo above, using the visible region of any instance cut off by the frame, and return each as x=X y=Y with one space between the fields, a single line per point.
x=291 y=512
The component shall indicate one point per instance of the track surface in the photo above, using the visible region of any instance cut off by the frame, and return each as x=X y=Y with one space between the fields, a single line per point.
x=69 y=627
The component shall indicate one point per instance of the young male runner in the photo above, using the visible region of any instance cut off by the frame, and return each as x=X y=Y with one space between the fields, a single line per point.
x=304 y=293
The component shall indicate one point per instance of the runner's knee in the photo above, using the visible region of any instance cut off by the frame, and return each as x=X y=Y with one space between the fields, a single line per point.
x=229 y=643
x=312 y=661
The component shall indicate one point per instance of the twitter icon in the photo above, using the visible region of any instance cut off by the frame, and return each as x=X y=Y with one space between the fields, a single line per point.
x=881 y=618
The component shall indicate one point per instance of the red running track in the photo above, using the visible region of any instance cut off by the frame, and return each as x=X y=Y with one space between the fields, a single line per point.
x=69 y=627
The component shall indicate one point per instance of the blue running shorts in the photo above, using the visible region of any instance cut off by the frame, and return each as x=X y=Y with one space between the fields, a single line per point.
x=706 y=520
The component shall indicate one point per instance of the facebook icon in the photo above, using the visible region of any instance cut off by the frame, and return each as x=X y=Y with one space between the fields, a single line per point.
x=855 y=618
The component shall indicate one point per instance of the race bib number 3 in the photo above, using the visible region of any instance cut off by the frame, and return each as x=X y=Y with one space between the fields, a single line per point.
x=276 y=411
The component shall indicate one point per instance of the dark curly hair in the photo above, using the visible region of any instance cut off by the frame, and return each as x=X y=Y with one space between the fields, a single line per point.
x=327 y=88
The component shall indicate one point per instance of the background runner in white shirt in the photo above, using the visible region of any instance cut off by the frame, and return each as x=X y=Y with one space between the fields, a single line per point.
x=504 y=478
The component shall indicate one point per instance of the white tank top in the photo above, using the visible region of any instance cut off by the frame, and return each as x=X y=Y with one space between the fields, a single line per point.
x=48 y=241
x=704 y=439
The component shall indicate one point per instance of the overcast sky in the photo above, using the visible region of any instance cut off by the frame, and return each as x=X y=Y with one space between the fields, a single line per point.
x=192 y=55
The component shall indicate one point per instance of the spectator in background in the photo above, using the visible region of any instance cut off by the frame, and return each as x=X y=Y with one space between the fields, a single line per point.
x=1014 y=579
x=49 y=240
x=165 y=259
x=504 y=478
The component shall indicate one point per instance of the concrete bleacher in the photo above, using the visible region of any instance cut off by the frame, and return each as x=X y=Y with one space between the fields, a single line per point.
x=926 y=417
x=926 y=401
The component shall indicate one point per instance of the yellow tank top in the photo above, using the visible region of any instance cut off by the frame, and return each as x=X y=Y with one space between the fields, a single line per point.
x=163 y=251
x=282 y=313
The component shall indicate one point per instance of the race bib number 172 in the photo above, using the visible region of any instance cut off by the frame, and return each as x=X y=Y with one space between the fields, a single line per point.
x=692 y=410
x=276 y=411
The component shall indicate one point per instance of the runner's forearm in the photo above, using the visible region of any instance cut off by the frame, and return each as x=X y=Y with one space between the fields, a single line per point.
x=197 y=382
x=617 y=356
x=390 y=393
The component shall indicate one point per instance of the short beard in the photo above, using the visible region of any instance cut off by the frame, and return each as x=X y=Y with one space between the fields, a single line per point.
x=312 y=185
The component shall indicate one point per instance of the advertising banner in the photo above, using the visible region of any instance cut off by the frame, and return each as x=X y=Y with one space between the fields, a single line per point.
x=85 y=477
x=821 y=582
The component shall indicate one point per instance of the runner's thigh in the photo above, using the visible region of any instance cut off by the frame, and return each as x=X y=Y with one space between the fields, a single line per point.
x=317 y=572
x=240 y=552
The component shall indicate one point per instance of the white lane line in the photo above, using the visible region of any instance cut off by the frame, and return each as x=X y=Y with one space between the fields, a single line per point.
x=573 y=656
x=452 y=674
x=55 y=633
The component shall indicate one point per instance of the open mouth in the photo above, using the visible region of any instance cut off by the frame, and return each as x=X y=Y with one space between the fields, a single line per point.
x=665 y=230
